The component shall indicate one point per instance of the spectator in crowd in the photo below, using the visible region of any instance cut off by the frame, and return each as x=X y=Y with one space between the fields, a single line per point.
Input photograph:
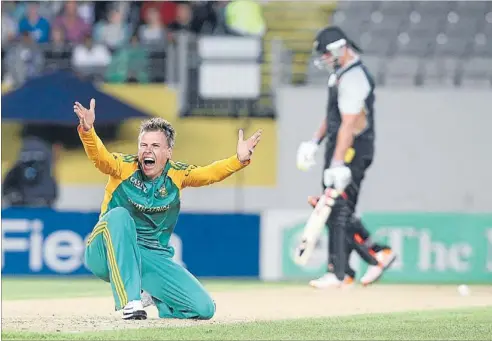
x=72 y=24
x=167 y=10
x=57 y=39
x=35 y=24
x=50 y=9
x=184 y=18
x=152 y=32
x=194 y=17
x=130 y=12
x=90 y=56
x=86 y=10
x=47 y=9
x=15 y=9
x=114 y=32
x=9 y=28
x=205 y=15
x=58 y=52
x=245 y=18
x=24 y=60
x=130 y=63
x=220 y=9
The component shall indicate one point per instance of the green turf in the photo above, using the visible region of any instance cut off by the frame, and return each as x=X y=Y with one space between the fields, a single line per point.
x=25 y=288
x=470 y=324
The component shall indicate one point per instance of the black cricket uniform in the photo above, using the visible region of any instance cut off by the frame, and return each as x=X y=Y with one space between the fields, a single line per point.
x=364 y=142
x=350 y=92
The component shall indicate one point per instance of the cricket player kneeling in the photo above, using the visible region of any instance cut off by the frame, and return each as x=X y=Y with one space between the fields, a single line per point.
x=129 y=245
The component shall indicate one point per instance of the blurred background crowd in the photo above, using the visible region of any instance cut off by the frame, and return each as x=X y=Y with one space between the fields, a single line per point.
x=113 y=41
x=411 y=42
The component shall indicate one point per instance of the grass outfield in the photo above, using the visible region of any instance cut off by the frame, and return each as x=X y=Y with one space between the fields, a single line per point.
x=25 y=288
x=470 y=324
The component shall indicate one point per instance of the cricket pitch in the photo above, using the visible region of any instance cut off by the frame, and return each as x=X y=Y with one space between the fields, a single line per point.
x=259 y=304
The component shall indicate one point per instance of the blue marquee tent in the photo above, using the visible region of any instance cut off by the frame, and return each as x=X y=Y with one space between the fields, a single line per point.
x=49 y=99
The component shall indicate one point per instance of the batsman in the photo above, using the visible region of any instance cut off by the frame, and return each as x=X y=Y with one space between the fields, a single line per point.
x=129 y=246
x=349 y=131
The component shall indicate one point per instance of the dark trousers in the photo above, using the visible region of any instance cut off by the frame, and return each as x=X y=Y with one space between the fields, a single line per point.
x=346 y=232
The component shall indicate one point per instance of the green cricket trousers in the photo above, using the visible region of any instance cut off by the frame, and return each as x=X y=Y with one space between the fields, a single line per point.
x=113 y=255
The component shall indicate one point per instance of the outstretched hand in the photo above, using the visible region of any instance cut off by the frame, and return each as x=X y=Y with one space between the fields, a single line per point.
x=86 y=116
x=246 y=147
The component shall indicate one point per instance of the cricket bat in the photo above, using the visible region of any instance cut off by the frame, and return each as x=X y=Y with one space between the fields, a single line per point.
x=315 y=226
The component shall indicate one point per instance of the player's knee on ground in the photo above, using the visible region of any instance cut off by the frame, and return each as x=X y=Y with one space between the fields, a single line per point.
x=205 y=309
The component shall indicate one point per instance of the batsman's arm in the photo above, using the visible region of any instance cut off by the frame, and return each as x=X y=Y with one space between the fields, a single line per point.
x=196 y=176
x=320 y=134
x=104 y=161
x=345 y=139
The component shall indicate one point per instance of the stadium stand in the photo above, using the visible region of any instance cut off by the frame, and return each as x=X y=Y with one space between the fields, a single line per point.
x=421 y=42
x=386 y=30
x=406 y=43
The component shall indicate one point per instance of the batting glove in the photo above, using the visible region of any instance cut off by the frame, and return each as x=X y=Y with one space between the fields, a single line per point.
x=338 y=177
x=305 y=155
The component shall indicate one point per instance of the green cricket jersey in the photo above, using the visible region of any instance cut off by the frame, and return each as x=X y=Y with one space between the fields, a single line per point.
x=153 y=204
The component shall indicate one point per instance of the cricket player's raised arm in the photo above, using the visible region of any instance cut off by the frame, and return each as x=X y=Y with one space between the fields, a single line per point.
x=104 y=161
x=94 y=148
x=353 y=90
x=194 y=176
x=217 y=171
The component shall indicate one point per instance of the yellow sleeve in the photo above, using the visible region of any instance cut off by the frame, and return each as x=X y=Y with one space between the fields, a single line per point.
x=197 y=176
x=106 y=162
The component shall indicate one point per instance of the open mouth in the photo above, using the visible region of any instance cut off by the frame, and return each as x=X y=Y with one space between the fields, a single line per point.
x=148 y=163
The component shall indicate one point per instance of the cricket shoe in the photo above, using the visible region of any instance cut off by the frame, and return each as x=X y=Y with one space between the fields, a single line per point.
x=385 y=258
x=329 y=280
x=134 y=310
x=147 y=300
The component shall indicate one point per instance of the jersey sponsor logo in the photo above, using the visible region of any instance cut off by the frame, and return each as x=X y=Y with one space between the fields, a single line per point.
x=138 y=184
x=150 y=210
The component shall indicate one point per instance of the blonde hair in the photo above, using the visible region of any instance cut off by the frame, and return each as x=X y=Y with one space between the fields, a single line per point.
x=159 y=124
